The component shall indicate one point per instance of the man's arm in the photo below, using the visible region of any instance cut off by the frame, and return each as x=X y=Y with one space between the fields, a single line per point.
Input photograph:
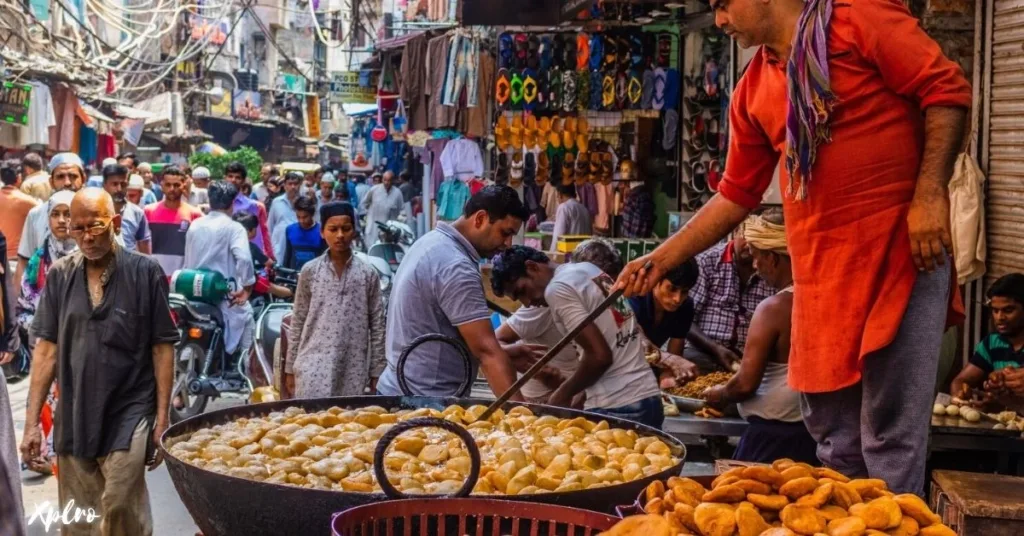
x=268 y=246
x=597 y=359
x=971 y=376
x=712 y=223
x=706 y=344
x=163 y=369
x=494 y=361
x=19 y=272
x=44 y=370
x=769 y=318
x=928 y=218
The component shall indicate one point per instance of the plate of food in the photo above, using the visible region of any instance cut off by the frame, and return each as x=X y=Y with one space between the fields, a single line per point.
x=689 y=396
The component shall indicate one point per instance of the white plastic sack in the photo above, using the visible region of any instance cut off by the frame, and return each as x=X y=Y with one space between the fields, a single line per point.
x=967 y=218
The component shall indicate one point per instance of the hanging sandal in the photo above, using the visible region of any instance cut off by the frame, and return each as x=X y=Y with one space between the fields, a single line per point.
x=594 y=173
x=554 y=88
x=647 y=98
x=506 y=50
x=714 y=175
x=569 y=91
x=530 y=138
x=501 y=170
x=568 y=168
x=529 y=89
x=533 y=52
x=516 y=91
x=502 y=134
x=712 y=137
x=516 y=168
x=607 y=91
x=621 y=100
x=582 y=167
x=658 y=102
x=582 y=51
x=546 y=52
x=521 y=44
x=529 y=167
x=596 y=52
x=543 y=168
x=502 y=89
x=634 y=90
x=569 y=52
x=516 y=132
x=699 y=180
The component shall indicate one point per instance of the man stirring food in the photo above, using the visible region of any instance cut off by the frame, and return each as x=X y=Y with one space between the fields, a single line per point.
x=439 y=289
x=869 y=123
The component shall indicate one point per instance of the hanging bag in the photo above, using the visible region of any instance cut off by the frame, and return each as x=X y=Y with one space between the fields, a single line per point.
x=379 y=132
x=399 y=123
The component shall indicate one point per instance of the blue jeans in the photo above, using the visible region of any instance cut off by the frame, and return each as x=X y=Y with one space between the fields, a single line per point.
x=648 y=411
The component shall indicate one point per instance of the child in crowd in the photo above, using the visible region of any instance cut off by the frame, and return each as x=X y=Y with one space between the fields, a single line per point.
x=303 y=240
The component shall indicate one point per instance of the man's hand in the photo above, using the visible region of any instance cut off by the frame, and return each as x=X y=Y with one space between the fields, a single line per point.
x=996 y=383
x=524 y=356
x=928 y=221
x=560 y=398
x=31 y=443
x=682 y=370
x=6 y=357
x=239 y=298
x=726 y=357
x=289 y=387
x=638 y=278
x=159 y=427
x=715 y=396
x=1014 y=381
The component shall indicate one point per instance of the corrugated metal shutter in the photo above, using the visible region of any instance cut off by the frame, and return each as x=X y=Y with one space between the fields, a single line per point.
x=1005 y=199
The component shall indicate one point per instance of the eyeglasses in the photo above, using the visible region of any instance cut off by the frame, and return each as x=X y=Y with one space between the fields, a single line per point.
x=94 y=229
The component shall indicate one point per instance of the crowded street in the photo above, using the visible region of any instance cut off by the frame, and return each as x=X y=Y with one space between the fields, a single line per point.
x=454 y=267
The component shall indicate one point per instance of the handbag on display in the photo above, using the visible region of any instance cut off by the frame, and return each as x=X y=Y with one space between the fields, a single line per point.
x=399 y=123
x=379 y=132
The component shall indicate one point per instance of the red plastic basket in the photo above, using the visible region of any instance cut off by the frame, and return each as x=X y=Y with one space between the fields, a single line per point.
x=472 y=517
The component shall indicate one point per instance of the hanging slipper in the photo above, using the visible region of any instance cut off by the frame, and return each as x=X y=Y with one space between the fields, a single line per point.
x=516 y=169
x=543 y=130
x=611 y=53
x=557 y=51
x=516 y=91
x=582 y=51
x=530 y=89
x=714 y=175
x=506 y=50
x=608 y=91
x=699 y=177
x=607 y=166
x=569 y=52
x=596 y=51
x=502 y=135
x=711 y=78
x=625 y=55
x=543 y=168
x=546 y=52
x=671 y=126
x=502 y=89
x=569 y=125
x=594 y=145
x=569 y=140
x=582 y=166
x=521 y=46
x=672 y=89
x=555 y=137
x=621 y=98
x=501 y=171
x=697 y=134
x=568 y=168
x=595 y=174
x=533 y=52
x=595 y=91
x=569 y=90
x=712 y=137
x=554 y=88
x=636 y=51
x=634 y=90
x=664 y=53
x=647 y=99
x=529 y=167
x=658 y=102
x=582 y=90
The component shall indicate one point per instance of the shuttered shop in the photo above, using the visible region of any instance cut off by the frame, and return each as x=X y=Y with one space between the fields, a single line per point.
x=1005 y=199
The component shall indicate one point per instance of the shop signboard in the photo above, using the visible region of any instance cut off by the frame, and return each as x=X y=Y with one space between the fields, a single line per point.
x=313 y=116
x=345 y=89
x=246 y=105
x=14 y=101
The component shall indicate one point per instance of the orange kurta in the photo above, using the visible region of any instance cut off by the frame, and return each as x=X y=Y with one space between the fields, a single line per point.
x=849 y=239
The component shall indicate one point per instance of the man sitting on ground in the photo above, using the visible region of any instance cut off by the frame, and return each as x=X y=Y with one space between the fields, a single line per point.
x=776 y=428
x=612 y=371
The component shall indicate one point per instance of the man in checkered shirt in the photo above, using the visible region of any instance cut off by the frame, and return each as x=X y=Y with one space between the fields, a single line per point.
x=724 y=298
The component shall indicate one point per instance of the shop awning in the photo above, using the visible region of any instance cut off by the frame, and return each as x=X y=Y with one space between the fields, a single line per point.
x=93 y=112
x=395 y=42
x=129 y=112
x=355 y=109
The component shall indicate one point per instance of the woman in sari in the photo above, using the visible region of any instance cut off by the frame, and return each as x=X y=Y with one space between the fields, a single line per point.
x=58 y=244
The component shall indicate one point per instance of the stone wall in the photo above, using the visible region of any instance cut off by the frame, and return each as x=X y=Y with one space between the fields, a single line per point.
x=951 y=23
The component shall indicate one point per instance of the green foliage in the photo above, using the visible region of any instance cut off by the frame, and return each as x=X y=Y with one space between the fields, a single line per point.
x=216 y=164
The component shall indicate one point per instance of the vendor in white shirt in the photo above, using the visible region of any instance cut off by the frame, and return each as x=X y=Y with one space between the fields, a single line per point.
x=572 y=218
x=612 y=371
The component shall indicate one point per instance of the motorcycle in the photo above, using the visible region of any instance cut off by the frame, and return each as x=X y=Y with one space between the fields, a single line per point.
x=203 y=369
x=394 y=238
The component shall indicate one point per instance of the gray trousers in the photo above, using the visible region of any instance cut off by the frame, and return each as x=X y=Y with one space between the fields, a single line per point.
x=879 y=426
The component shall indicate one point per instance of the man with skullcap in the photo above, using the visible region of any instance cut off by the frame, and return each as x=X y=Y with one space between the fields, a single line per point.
x=67 y=172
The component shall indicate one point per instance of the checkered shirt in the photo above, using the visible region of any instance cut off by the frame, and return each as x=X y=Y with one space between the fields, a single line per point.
x=720 y=311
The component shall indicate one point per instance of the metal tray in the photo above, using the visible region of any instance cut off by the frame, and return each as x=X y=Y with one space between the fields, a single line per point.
x=691 y=405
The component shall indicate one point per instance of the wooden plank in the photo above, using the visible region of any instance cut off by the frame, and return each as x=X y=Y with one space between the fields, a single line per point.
x=983 y=495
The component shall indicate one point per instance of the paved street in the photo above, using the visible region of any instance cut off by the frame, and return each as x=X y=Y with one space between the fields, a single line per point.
x=169 y=516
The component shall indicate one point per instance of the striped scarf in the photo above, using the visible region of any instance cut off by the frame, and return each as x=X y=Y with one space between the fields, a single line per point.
x=810 y=95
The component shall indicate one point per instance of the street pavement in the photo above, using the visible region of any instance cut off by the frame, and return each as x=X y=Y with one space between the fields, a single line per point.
x=170 y=518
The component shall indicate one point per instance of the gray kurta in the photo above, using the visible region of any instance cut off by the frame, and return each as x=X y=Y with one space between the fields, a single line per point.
x=336 y=341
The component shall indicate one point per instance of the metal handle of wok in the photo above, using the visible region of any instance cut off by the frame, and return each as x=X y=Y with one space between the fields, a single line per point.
x=426 y=422
x=554 y=350
x=467 y=384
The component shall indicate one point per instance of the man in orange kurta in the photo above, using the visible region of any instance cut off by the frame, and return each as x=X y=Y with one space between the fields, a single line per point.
x=867 y=223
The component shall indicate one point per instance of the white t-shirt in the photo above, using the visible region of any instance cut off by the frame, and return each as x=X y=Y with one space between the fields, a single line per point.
x=575 y=291
x=534 y=326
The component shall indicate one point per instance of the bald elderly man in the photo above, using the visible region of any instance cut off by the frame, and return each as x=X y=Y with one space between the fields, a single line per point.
x=67 y=172
x=115 y=326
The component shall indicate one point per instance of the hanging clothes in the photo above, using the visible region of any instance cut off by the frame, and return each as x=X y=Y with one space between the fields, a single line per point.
x=63 y=133
x=87 y=145
x=106 y=147
x=463 y=64
x=478 y=118
x=438 y=115
x=549 y=200
x=40 y=116
x=451 y=198
x=462 y=159
x=520 y=237
x=430 y=155
x=588 y=196
x=605 y=200
x=414 y=81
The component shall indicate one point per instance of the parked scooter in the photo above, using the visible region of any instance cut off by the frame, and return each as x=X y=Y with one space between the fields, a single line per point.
x=394 y=238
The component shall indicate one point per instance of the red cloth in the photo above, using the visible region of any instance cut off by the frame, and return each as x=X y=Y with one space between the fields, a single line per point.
x=106 y=147
x=849 y=239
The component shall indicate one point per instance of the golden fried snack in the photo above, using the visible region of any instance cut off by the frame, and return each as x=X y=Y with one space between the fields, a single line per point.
x=879 y=514
x=796 y=471
x=825 y=472
x=764 y=474
x=724 y=481
x=782 y=464
x=818 y=497
x=768 y=502
x=753 y=486
x=847 y=526
x=649 y=525
x=655 y=506
x=863 y=485
x=687 y=490
x=728 y=493
x=655 y=490
x=748 y=521
x=802 y=520
x=908 y=527
x=798 y=487
x=844 y=496
x=915 y=507
x=937 y=530
x=778 y=531
x=715 y=519
x=684 y=513
x=735 y=472
x=832 y=512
